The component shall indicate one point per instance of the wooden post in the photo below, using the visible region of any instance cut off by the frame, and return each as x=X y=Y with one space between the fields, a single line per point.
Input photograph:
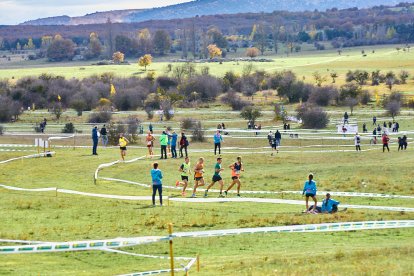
x=170 y=231
x=198 y=262
x=74 y=141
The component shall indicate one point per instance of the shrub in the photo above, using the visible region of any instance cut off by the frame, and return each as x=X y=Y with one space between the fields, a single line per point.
x=133 y=124
x=69 y=128
x=364 y=97
x=198 y=133
x=393 y=108
x=167 y=109
x=313 y=117
x=188 y=123
x=100 y=117
x=150 y=113
x=235 y=101
x=350 y=90
x=79 y=105
x=250 y=113
x=113 y=133
x=322 y=96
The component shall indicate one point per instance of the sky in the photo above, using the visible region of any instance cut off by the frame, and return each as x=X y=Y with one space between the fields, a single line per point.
x=17 y=11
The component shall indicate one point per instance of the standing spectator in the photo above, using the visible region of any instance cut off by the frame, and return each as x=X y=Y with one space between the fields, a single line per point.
x=174 y=138
x=364 y=128
x=400 y=143
x=384 y=125
x=104 y=136
x=224 y=129
x=217 y=142
x=397 y=127
x=374 y=120
x=43 y=125
x=379 y=130
x=390 y=125
x=150 y=128
x=219 y=127
x=357 y=139
x=284 y=126
x=385 y=141
x=163 y=143
x=249 y=125
x=405 y=143
x=95 y=139
x=156 y=176
x=150 y=143
x=346 y=116
x=309 y=190
x=288 y=126
x=278 y=138
x=183 y=145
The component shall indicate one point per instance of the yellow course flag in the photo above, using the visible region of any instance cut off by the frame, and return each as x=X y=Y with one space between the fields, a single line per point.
x=113 y=90
x=59 y=98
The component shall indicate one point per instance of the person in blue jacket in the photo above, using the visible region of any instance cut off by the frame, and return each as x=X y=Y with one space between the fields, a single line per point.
x=95 y=139
x=217 y=142
x=309 y=190
x=174 y=138
x=329 y=205
x=156 y=176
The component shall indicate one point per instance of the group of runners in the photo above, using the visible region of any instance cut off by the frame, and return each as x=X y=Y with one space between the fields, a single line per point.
x=197 y=173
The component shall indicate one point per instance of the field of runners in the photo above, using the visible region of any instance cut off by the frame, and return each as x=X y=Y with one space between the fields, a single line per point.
x=63 y=214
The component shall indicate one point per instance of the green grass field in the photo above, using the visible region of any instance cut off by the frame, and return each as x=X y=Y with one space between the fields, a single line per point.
x=304 y=64
x=43 y=216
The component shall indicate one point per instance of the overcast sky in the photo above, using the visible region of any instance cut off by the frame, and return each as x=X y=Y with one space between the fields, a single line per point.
x=18 y=11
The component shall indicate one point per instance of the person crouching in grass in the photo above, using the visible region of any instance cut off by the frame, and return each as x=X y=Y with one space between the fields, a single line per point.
x=156 y=176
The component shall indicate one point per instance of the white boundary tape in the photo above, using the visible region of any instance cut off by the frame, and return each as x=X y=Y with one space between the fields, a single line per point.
x=27 y=157
x=206 y=200
x=127 y=242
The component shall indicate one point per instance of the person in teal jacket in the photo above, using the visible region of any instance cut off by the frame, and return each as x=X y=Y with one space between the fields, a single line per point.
x=164 y=143
x=329 y=205
x=156 y=176
x=309 y=190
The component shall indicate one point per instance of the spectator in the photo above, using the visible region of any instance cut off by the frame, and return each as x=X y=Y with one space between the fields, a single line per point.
x=385 y=141
x=278 y=138
x=346 y=116
x=174 y=138
x=400 y=143
x=364 y=128
x=309 y=190
x=384 y=125
x=270 y=137
x=390 y=125
x=374 y=120
x=374 y=137
x=405 y=142
x=156 y=176
x=183 y=145
x=163 y=143
x=150 y=128
x=397 y=127
x=217 y=142
x=95 y=139
x=329 y=205
x=104 y=136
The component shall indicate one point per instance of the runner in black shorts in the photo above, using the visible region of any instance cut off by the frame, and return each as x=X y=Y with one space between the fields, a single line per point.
x=236 y=170
x=185 y=172
x=198 y=175
x=216 y=178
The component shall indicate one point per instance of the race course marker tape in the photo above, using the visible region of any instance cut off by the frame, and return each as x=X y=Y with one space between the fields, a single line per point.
x=125 y=242
x=205 y=200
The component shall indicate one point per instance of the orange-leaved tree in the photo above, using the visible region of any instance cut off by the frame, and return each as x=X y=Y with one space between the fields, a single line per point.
x=214 y=51
x=145 y=61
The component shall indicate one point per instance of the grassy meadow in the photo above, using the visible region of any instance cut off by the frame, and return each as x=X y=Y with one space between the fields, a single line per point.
x=45 y=216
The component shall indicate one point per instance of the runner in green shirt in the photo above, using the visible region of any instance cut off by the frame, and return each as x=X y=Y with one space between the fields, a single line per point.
x=216 y=178
x=185 y=173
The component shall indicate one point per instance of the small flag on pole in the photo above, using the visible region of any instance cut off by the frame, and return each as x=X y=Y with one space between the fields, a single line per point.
x=113 y=90
x=59 y=98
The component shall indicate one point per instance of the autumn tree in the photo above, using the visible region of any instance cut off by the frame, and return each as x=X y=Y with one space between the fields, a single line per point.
x=252 y=52
x=145 y=61
x=214 y=51
x=94 y=47
x=144 y=41
x=162 y=42
x=118 y=57
x=61 y=49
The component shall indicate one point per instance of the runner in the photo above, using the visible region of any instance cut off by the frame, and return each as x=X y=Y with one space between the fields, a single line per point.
x=156 y=176
x=309 y=190
x=185 y=173
x=236 y=170
x=122 y=145
x=150 y=143
x=385 y=141
x=198 y=175
x=357 y=140
x=216 y=178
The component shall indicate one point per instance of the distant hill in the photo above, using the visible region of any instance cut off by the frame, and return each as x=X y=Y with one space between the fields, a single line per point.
x=117 y=16
x=211 y=7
